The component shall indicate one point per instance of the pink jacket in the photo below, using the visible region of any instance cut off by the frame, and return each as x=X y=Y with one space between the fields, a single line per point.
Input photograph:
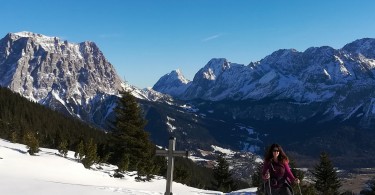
x=278 y=170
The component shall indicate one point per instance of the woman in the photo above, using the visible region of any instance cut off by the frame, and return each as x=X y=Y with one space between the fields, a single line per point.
x=277 y=172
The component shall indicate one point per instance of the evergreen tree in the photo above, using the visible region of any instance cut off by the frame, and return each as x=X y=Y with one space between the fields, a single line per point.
x=63 y=148
x=80 y=150
x=14 y=137
x=223 y=176
x=91 y=155
x=124 y=163
x=131 y=138
x=104 y=152
x=306 y=189
x=31 y=142
x=104 y=159
x=181 y=175
x=326 y=180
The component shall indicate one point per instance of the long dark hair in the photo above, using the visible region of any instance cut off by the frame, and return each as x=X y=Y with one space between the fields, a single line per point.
x=282 y=156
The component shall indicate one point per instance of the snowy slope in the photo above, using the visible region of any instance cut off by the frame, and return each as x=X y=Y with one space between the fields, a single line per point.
x=47 y=173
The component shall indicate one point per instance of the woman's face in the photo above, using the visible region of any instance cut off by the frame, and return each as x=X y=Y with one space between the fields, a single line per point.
x=275 y=152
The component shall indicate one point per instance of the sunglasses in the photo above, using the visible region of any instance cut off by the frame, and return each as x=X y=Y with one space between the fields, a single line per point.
x=275 y=150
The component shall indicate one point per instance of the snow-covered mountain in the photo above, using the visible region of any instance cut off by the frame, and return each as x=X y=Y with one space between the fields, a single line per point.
x=41 y=67
x=318 y=75
x=73 y=78
x=173 y=83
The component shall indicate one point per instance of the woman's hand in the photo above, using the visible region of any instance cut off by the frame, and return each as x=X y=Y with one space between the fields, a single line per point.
x=296 y=181
x=266 y=176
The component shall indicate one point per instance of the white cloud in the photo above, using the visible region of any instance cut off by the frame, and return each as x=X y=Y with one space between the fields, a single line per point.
x=212 y=37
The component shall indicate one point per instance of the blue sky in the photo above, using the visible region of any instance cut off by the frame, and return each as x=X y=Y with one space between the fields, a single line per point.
x=146 y=39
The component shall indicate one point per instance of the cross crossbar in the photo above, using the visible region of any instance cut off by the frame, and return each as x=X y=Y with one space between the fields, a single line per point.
x=175 y=153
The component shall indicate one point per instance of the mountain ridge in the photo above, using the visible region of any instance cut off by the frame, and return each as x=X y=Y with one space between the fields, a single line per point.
x=319 y=74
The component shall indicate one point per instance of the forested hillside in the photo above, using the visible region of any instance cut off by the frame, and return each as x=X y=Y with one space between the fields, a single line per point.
x=18 y=116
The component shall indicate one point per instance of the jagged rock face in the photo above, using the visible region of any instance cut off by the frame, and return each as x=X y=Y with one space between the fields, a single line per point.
x=73 y=78
x=319 y=74
x=173 y=83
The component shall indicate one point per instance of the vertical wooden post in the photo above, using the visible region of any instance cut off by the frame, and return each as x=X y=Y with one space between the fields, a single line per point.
x=171 y=153
x=171 y=148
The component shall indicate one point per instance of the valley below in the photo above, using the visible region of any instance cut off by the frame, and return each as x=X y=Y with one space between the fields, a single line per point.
x=355 y=180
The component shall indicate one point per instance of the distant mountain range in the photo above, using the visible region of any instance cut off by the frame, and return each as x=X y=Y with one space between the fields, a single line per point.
x=303 y=100
x=336 y=78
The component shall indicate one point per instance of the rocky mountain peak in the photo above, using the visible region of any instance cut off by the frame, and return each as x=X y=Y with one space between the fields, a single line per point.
x=177 y=74
x=35 y=36
x=213 y=69
x=365 y=47
x=282 y=60
x=172 y=83
x=66 y=76
x=324 y=50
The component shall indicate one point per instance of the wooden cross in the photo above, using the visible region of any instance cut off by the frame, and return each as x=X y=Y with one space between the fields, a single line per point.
x=171 y=153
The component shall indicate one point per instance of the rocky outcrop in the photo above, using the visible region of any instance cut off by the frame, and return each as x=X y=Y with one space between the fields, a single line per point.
x=73 y=78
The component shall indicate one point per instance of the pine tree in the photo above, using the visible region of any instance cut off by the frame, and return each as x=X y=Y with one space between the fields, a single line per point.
x=31 y=142
x=131 y=138
x=80 y=150
x=91 y=155
x=63 y=148
x=14 y=137
x=124 y=163
x=181 y=175
x=223 y=176
x=326 y=180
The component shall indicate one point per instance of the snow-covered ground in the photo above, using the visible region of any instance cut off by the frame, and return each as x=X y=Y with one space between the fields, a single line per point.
x=50 y=174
